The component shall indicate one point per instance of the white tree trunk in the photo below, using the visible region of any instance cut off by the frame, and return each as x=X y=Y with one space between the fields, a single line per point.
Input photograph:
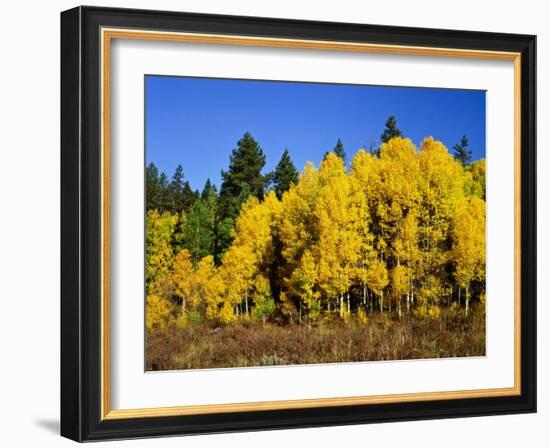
x=399 y=306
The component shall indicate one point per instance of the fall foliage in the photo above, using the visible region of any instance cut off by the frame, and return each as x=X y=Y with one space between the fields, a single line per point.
x=399 y=232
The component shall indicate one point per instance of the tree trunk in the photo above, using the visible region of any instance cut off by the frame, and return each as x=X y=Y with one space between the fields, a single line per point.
x=341 y=301
x=246 y=303
x=364 y=294
x=399 y=306
x=382 y=302
x=371 y=301
x=349 y=305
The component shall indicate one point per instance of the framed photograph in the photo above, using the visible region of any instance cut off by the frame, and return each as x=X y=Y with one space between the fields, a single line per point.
x=273 y=223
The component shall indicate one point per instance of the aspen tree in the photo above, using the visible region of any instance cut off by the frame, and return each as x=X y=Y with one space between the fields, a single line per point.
x=442 y=189
x=252 y=249
x=305 y=280
x=298 y=229
x=182 y=275
x=339 y=242
x=377 y=278
x=407 y=253
x=361 y=177
x=157 y=312
x=237 y=272
x=159 y=229
x=207 y=288
x=469 y=246
x=400 y=278
x=404 y=224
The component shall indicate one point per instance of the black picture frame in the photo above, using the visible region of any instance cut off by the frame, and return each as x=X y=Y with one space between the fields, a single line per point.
x=81 y=224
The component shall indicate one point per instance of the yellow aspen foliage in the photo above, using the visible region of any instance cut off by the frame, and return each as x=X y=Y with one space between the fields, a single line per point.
x=400 y=284
x=214 y=290
x=430 y=294
x=362 y=316
x=339 y=243
x=182 y=276
x=157 y=312
x=237 y=271
x=226 y=314
x=252 y=249
x=475 y=175
x=362 y=177
x=297 y=230
x=442 y=189
x=405 y=246
x=207 y=288
x=396 y=193
x=365 y=172
x=378 y=280
x=469 y=245
x=305 y=280
x=159 y=229
x=253 y=227
x=199 y=287
x=403 y=230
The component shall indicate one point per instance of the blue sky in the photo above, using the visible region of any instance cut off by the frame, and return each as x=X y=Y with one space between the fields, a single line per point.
x=196 y=122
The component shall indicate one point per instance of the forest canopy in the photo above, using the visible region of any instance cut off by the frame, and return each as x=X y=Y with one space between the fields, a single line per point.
x=398 y=230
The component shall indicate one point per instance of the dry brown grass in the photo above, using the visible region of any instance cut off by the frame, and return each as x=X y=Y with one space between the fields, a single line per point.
x=249 y=344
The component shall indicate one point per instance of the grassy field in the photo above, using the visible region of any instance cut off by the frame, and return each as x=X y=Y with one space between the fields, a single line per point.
x=249 y=344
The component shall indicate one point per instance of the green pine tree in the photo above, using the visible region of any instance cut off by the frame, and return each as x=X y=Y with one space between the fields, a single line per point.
x=176 y=186
x=189 y=196
x=243 y=178
x=391 y=130
x=285 y=175
x=197 y=232
x=245 y=168
x=166 y=199
x=339 y=150
x=461 y=151
x=152 y=187
x=209 y=189
x=224 y=237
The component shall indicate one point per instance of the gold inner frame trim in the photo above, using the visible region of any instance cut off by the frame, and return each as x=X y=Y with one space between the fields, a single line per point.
x=107 y=35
